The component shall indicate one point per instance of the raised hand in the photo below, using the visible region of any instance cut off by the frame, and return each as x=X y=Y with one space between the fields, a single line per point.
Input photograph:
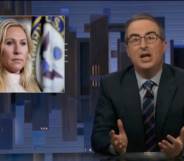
x=172 y=147
x=120 y=140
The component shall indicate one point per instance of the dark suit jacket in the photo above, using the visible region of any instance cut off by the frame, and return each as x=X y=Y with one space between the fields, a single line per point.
x=119 y=98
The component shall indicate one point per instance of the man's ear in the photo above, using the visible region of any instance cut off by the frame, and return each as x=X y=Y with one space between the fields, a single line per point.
x=126 y=46
x=165 y=45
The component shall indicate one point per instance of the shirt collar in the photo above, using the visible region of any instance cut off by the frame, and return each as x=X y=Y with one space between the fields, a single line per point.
x=155 y=78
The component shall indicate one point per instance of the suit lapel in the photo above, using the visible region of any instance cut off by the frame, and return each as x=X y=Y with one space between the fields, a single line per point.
x=166 y=93
x=130 y=93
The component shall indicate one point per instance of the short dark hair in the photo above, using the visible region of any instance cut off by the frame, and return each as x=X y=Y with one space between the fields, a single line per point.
x=144 y=16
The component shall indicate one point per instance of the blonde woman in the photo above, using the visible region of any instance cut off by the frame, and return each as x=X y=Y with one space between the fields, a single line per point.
x=15 y=58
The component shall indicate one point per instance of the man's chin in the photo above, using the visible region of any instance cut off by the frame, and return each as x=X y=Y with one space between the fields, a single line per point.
x=146 y=66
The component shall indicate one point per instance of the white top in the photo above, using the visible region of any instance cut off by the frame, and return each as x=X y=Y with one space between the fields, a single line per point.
x=13 y=83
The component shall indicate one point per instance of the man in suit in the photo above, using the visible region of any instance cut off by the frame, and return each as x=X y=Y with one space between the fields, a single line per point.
x=121 y=123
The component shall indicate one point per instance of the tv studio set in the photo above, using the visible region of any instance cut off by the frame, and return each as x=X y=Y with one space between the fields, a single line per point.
x=73 y=77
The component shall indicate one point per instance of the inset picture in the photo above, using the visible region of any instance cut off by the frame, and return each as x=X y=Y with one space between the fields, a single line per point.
x=32 y=54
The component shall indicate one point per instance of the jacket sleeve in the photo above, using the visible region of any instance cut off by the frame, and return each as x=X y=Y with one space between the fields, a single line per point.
x=104 y=120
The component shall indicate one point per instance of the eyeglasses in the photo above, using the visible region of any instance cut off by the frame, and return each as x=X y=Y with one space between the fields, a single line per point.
x=149 y=38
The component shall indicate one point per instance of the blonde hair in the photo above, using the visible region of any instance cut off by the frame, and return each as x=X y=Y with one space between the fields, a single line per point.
x=27 y=79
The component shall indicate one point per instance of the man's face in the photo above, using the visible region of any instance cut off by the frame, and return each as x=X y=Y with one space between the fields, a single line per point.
x=145 y=56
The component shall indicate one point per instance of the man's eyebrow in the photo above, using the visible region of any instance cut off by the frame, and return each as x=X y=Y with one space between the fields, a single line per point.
x=134 y=34
x=149 y=32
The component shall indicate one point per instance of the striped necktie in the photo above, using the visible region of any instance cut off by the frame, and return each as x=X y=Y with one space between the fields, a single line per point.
x=149 y=117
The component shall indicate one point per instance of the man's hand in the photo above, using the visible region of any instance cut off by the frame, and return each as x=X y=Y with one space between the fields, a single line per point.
x=172 y=147
x=119 y=141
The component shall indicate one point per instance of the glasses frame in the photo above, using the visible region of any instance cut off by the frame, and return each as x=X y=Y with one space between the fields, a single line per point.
x=157 y=36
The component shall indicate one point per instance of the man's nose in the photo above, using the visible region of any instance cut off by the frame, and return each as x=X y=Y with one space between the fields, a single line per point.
x=143 y=43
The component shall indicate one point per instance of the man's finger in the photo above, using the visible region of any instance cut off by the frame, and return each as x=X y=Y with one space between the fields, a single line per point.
x=167 y=144
x=115 y=142
x=120 y=126
x=182 y=134
x=171 y=139
x=120 y=146
x=162 y=146
x=112 y=133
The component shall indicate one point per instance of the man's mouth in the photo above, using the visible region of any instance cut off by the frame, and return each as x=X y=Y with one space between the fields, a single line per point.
x=145 y=55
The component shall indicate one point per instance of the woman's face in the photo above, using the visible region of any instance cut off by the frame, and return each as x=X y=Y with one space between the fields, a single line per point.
x=14 y=50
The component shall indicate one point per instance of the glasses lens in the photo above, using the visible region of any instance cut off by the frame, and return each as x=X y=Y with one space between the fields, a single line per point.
x=134 y=40
x=150 y=38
